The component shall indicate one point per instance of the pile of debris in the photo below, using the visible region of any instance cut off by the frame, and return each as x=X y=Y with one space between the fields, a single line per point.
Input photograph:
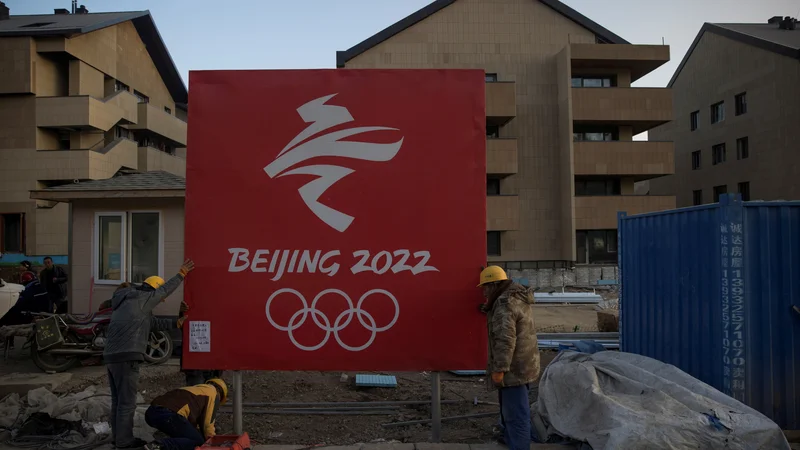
x=42 y=418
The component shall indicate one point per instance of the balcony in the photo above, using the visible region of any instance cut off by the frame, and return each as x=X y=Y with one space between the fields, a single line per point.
x=600 y=212
x=640 y=159
x=642 y=108
x=501 y=156
x=501 y=102
x=639 y=59
x=502 y=212
x=161 y=123
x=84 y=112
x=86 y=164
x=154 y=159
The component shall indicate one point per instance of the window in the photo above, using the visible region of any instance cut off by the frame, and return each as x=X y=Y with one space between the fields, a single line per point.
x=718 y=154
x=491 y=77
x=120 y=86
x=167 y=110
x=697 y=197
x=693 y=119
x=593 y=82
x=492 y=186
x=493 y=243
x=142 y=98
x=492 y=131
x=597 y=187
x=718 y=112
x=12 y=233
x=596 y=246
x=696 y=160
x=719 y=190
x=594 y=133
x=741 y=103
x=742 y=148
x=744 y=190
x=128 y=246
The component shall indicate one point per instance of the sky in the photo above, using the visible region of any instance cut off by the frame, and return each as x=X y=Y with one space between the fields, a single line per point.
x=303 y=34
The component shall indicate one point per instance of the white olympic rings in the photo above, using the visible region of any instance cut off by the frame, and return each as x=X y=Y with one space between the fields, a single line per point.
x=342 y=320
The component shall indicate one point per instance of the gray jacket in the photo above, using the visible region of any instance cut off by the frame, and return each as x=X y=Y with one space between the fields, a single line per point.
x=132 y=320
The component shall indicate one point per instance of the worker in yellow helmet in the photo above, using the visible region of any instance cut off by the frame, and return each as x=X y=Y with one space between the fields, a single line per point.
x=186 y=415
x=126 y=342
x=513 y=352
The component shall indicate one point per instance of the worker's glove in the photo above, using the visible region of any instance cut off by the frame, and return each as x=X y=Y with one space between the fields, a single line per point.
x=187 y=267
x=181 y=320
x=483 y=307
x=184 y=308
x=497 y=378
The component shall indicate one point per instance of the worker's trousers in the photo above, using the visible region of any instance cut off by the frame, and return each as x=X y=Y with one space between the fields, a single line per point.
x=123 y=378
x=182 y=434
x=515 y=414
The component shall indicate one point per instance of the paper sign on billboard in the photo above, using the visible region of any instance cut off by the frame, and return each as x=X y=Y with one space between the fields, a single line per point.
x=337 y=219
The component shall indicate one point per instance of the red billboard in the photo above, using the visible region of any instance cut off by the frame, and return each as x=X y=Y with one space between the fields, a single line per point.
x=337 y=219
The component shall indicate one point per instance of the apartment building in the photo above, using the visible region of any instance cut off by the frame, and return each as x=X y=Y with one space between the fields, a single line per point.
x=737 y=115
x=560 y=119
x=82 y=96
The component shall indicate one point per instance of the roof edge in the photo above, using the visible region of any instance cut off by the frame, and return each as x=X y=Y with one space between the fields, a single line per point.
x=407 y=22
x=342 y=57
x=736 y=36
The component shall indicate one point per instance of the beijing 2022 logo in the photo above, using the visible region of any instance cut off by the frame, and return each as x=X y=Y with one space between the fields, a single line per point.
x=322 y=117
x=307 y=145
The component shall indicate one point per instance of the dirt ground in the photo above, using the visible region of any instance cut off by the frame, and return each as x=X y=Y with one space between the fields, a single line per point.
x=565 y=318
x=325 y=387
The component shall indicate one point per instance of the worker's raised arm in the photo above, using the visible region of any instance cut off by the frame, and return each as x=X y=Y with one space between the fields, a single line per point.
x=162 y=292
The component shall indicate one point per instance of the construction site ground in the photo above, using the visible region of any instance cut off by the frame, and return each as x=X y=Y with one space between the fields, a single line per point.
x=314 y=430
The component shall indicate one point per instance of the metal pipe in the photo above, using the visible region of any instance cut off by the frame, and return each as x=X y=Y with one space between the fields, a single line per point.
x=580 y=336
x=237 y=402
x=314 y=412
x=339 y=408
x=72 y=351
x=436 y=407
x=375 y=403
x=443 y=419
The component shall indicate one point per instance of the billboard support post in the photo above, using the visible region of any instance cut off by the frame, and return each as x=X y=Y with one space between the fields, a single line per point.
x=436 y=407
x=237 y=402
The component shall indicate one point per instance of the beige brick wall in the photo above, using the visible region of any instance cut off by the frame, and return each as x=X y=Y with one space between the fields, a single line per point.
x=52 y=75
x=119 y=52
x=622 y=104
x=17 y=121
x=641 y=158
x=82 y=269
x=518 y=40
x=501 y=156
x=600 y=213
x=154 y=159
x=85 y=80
x=16 y=76
x=718 y=69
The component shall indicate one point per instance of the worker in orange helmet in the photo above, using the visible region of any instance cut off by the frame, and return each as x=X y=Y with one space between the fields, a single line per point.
x=513 y=352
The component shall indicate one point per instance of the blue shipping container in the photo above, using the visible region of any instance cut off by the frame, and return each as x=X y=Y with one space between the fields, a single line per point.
x=713 y=290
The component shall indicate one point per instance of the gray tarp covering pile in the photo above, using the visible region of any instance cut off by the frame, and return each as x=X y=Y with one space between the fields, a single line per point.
x=614 y=400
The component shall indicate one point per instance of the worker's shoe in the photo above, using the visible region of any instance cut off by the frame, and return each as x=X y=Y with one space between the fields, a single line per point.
x=153 y=446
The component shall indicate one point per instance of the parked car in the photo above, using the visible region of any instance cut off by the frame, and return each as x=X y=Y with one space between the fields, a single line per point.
x=9 y=293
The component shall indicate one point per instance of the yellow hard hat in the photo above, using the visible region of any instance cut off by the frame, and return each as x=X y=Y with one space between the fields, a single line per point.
x=154 y=282
x=492 y=274
x=222 y=386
